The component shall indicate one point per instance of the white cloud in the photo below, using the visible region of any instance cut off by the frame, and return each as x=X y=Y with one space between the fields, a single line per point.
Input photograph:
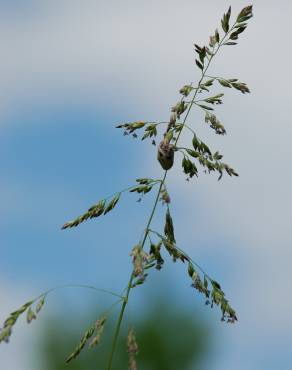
x=142 y=51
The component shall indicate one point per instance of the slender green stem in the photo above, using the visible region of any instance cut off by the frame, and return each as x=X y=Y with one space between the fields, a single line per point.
x=201 y=79
x=121 y=315
x=181 y=148
x=111 y=307
x=184 y=253
x=77 y=286
x=217 y=78
x=128 y=189
x=120 y=319
x=189 y=128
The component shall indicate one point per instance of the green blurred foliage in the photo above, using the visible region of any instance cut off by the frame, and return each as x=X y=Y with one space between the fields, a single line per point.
x=168 y=337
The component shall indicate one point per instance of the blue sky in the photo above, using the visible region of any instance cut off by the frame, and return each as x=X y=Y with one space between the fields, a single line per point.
x=69 y=73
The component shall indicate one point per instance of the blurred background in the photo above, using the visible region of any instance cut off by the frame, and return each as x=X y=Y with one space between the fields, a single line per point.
x=72 y=70
x=168 y=338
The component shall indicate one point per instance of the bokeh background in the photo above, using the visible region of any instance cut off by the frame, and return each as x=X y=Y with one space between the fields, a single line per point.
x=70 y=71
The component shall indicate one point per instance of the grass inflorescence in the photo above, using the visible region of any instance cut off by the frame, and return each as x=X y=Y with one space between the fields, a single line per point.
x=196 y=157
